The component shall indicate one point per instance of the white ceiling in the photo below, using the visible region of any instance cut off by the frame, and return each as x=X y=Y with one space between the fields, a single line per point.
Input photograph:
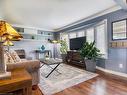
x=50 y=14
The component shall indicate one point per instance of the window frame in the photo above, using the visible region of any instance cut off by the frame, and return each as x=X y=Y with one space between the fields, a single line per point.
x=112 y=30
x=95 y=35
x=81 y=31
x=106 y=37
x=72 y=33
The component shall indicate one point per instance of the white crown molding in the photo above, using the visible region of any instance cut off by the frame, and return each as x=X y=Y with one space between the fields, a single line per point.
x=122 y=3
x=28 y=27
x=112 y=9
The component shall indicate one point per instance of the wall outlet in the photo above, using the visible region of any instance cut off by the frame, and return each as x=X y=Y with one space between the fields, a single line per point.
x=120 y=65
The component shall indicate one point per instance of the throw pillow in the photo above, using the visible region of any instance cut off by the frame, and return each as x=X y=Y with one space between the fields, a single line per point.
x=7 y=58
x=15 y=56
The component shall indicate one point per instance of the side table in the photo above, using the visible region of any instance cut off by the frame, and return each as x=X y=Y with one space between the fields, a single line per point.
x=20 y=80
x=38 y=52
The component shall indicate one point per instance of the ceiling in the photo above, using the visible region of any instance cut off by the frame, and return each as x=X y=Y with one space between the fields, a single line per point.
x=50 y=14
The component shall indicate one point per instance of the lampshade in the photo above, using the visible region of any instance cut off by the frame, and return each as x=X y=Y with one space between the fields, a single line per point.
x=54 y=41
x=9 y=37
x=6 y=30
x=8 y=43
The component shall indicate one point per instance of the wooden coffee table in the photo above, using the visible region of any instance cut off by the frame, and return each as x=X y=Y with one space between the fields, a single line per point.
x=20 y=80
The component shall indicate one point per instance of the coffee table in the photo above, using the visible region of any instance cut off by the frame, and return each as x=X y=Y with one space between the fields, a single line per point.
x=51 y=61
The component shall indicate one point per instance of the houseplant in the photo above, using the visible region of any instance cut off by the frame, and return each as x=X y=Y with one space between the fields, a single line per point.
x=90 y=53
x=63 y=49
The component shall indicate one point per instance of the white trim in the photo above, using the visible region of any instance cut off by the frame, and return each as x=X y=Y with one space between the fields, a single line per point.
x=106 y=36
x=78 y=28
x=112 y=72
x=114 y=8
x=122 y=3
x=29 y=27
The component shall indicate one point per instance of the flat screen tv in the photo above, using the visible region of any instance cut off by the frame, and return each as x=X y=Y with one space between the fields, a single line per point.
x=77 y=43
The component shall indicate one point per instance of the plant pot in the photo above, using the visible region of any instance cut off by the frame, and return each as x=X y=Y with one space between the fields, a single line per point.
x=64 y=56
x=90 y=65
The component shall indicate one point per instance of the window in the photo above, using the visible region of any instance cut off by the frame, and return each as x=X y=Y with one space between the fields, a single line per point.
x=97 y=33
x=80 y=34
x=119 y=30
x=64 y=36
x=101 y=39
x=90 y=35
x=72 y=35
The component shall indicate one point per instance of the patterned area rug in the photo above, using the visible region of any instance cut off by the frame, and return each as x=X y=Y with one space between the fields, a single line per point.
x=56 y=82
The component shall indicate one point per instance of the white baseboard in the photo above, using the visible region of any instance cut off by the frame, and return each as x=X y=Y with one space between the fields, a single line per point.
x=112 y=72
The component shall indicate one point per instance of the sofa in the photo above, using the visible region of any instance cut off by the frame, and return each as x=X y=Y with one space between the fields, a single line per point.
x=32 y=66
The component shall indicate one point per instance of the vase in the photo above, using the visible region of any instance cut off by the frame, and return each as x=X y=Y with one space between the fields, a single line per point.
x=90 y=65
x=42 y=47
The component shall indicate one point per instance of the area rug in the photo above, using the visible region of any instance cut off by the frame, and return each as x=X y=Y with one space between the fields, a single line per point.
x=56 y=82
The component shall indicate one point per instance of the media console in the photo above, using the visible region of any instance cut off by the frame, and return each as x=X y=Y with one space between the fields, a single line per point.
x=74 y=58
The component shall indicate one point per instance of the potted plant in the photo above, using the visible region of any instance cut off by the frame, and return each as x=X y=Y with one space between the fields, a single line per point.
x=90 y=53
x=63 y=49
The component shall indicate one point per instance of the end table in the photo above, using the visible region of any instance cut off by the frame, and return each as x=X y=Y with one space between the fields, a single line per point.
x=20 y=80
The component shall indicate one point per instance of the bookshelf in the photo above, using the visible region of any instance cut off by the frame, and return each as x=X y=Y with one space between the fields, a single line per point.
x=34 y=34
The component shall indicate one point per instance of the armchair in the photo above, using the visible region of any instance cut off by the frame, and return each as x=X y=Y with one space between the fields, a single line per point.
x=32 y=66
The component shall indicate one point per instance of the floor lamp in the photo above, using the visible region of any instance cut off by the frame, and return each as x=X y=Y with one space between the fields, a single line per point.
x=6 y=32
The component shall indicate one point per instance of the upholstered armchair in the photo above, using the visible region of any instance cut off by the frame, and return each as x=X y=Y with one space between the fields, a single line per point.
x=32 y=66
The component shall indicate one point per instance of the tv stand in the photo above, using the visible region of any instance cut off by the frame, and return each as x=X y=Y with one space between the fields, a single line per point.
x=74 y=58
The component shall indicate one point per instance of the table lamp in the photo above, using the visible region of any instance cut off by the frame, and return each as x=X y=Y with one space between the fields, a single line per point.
x=8 y=43
x=6 y=32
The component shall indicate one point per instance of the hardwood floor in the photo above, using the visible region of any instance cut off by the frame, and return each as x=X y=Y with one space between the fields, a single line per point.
x=101 y=85
x=37 y=92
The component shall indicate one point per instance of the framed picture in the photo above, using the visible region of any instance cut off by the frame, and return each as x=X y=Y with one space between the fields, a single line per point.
x=119 y=30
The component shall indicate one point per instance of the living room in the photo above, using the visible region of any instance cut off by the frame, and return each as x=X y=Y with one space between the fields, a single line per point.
x=63 y=47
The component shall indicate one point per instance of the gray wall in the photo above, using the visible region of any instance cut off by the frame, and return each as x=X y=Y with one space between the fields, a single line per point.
x=116 y=56
x=31 y=46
